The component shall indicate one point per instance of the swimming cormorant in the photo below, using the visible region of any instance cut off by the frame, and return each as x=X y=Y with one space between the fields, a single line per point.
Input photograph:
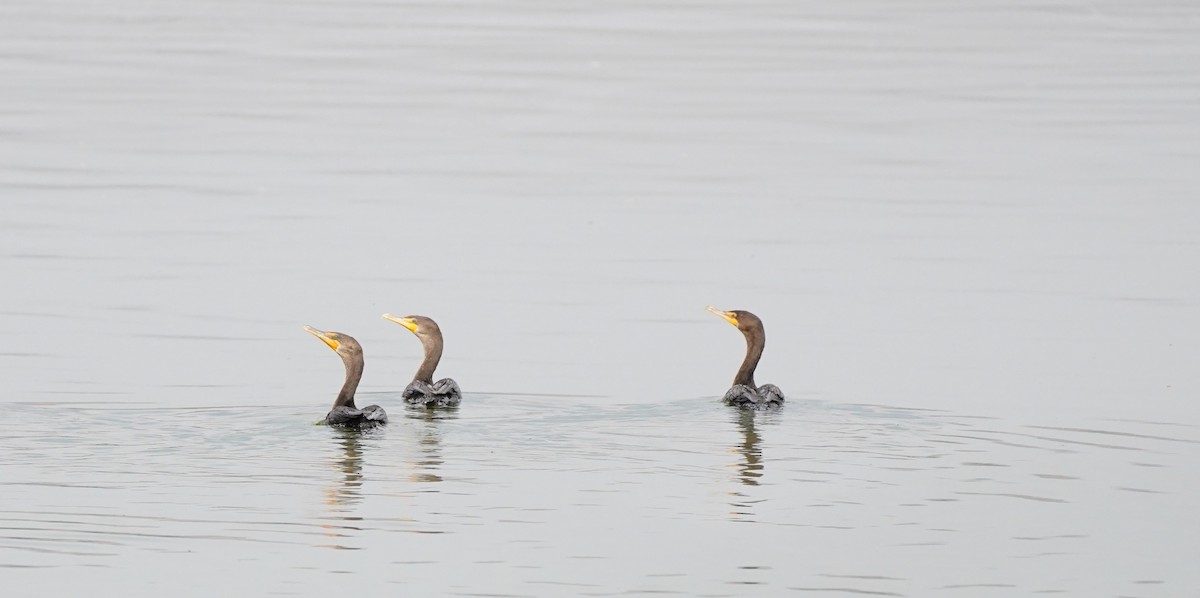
x=344 y=412
x=744 y=393
x=423 y=390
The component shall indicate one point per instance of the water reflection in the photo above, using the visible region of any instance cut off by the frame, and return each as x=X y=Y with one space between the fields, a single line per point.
x=346 y=491
x=751 y=468
x=428 y=464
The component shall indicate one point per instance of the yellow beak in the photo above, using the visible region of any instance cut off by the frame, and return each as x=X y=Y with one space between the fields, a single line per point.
x=321 y=334
x=725 y=315
x=408 y=323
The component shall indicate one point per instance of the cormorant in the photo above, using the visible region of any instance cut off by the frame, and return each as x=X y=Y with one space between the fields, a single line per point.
x=423 y=390
x=344 y=412
x=744 y=393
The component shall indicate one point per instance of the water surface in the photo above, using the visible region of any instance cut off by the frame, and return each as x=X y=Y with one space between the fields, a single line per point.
x=970 y=229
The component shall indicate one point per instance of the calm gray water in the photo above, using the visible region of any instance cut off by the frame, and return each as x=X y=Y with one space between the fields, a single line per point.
x=971 y=229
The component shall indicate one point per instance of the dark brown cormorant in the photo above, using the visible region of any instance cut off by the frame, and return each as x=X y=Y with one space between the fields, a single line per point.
x=744 y=393
x=423 y=390
x=344 y=412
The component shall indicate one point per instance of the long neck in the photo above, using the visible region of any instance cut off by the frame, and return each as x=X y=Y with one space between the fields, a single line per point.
x=433 y=354
x=354 y=371
x=755 y=341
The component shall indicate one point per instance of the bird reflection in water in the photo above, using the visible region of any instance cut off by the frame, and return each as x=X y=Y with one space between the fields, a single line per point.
x=427 y=467
x=346 y=491
x=749 y=466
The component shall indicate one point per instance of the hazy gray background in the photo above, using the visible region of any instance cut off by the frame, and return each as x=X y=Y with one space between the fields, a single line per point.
x=985 y=209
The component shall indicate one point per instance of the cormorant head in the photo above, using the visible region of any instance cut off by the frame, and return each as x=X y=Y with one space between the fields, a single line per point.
x=342 y=344
x=423 y=327
x=744 y=320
